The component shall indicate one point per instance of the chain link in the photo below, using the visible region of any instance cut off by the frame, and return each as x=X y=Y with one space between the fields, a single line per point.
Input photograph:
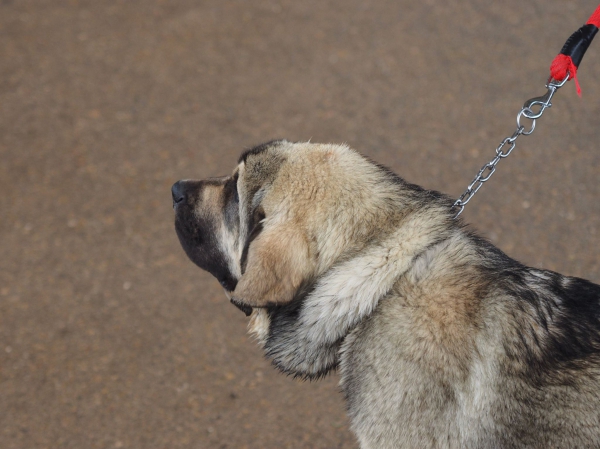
x=528 y=111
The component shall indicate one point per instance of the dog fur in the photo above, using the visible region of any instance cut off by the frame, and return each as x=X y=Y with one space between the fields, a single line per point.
x=442 y=341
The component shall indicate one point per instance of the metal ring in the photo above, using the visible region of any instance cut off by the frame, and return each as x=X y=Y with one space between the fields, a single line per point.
x=519 y=121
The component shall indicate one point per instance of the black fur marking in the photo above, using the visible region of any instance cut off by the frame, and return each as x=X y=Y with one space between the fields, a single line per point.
x=255 y=233
x=197 y=235
x=556 y=318
x=283 y=317
x=231 y=202
x=567 y=332
x=311 y=377
x=282 y=334
x=259 y=149
x=257 y=227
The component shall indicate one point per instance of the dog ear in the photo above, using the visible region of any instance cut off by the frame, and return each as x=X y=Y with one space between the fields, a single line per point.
x=277 y=263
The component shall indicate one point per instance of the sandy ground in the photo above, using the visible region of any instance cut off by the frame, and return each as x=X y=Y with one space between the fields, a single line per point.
x=109 y=336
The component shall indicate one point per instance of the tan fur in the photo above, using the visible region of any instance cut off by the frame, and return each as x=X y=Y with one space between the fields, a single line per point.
x=278 y=263
x=442 y=341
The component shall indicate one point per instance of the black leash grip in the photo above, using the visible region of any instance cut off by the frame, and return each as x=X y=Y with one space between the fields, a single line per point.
x=565 y=64
x=578 y=43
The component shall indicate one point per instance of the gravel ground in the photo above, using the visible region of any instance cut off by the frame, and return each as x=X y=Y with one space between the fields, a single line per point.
x=109 y=336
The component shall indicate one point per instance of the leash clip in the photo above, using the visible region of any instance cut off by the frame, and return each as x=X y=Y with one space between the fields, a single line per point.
x=543 y=101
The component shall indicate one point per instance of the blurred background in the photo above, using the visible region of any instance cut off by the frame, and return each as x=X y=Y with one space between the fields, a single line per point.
x=109 y=336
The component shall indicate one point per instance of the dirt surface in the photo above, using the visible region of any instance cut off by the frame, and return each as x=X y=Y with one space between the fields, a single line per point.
x=109 y=336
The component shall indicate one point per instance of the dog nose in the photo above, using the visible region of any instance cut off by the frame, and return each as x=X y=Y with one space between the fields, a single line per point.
x=178 y=192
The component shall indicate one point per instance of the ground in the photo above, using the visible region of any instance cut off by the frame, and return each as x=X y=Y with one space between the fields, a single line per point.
x=109 y=336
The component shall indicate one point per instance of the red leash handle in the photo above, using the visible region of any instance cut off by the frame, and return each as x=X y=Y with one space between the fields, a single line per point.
x=568 y=60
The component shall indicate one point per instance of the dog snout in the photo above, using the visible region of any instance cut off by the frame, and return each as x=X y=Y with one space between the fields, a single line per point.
x=179 y=192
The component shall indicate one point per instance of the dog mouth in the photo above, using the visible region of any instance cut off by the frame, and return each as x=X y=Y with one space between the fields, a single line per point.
x=240 y=305
x=227 y=285
x=227 y=280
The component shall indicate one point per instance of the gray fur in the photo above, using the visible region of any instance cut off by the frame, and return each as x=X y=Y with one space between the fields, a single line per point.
x=442 y=340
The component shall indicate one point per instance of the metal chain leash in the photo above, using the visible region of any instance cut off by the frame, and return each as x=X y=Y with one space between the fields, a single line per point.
x=486 y=172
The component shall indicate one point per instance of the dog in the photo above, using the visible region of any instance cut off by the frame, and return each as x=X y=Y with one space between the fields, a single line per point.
x=441 y=340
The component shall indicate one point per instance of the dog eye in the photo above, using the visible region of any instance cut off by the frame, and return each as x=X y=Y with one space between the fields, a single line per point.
x=255 y=227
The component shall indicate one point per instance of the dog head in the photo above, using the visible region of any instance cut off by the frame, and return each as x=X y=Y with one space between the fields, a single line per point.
x=306 y=238
x=284 y=216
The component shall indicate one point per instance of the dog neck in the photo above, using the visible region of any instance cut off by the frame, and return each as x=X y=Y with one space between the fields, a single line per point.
x=303 y=338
